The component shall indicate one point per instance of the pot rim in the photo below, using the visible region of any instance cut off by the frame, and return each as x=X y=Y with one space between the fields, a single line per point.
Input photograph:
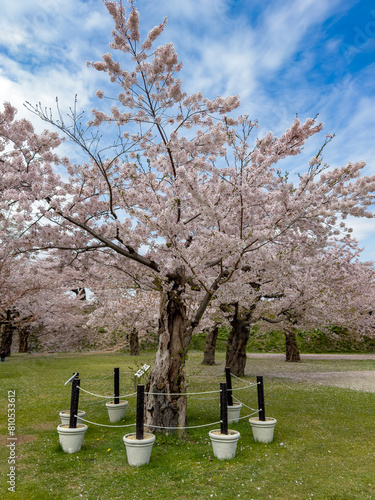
x=269 y=420
x=116 y=405
x=82 y=412
x=148 y=440
x=72 y=430
x=224 y=437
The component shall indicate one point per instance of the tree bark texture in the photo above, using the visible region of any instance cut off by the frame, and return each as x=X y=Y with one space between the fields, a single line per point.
x=291 y=348
x=134 y=343
x=236 y=346
x=164 y=406
x=7 y=335
x=23 y=336
x=210 y=346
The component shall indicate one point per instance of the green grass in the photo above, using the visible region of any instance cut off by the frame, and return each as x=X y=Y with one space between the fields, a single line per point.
x=323 y=446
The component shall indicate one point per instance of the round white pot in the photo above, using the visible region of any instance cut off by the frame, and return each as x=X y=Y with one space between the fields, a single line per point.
x=263 y=430
x=224 y=445
x=234 y=413
x=138 y=451
x=71 y=439
x=116 y=412
x=65 y=416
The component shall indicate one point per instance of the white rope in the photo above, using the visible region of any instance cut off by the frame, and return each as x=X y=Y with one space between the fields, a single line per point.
x=182 y=428
x=251 y=414
x=107 y=397
x=179 y=393
x=245 y=387
x=243 y=404
x=104 y=425
x=242 y=380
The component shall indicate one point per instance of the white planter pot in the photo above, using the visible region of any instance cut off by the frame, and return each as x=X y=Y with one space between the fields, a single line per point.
x=224 y=445
x=263 y=430
x=71 y=439
x=116 y=412
x=234 y=413
x=138 y=451
x=65 y=416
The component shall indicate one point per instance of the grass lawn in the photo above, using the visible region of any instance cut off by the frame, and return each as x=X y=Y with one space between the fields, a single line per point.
x=323 y=446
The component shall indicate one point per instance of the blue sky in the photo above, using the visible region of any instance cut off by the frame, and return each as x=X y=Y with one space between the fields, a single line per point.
x=283 y=57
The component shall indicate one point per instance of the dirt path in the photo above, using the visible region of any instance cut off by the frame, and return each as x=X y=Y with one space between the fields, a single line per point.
x=363 y=380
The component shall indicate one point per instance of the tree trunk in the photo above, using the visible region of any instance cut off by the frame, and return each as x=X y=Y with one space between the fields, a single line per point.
x=210 y=346
x=164 y=406
x=236 y=346
x=291 y=348
x=134 y=343
x=23 y=336
x=7 y=336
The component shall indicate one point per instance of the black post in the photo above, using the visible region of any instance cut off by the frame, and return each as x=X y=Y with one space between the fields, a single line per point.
x=74 y=403
x=117 y=385
x=224 y=408
x=262 y=412
x=140 y=411
x=229 y=386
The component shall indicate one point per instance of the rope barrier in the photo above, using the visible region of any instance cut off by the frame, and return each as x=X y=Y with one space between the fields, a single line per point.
x=106 y=397
x=155 y=426
x=242 y=380
x=183 y=428
x=104 y=425
x=179 y=393
x=243 y=404
x=250 y=415
x=166 y=394
x=246 y=387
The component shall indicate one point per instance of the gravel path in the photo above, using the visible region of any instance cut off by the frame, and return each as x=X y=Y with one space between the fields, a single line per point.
x=363 y=380
x=314 y=356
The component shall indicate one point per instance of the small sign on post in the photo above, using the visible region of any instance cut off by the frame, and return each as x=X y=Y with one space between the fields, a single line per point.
x=139 y=374
x=71 y=378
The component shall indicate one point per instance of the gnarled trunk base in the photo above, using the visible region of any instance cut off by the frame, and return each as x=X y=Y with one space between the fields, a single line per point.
x=291 y=348
x=165 y=407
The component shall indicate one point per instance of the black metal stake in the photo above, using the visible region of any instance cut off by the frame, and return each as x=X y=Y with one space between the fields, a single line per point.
x=117 y=385
x=74 y=403
x=229 y=386
x=140 y=411
x=262 y=412
x=224 y=408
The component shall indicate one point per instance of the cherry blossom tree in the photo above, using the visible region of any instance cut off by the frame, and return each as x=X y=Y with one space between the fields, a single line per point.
x=129 y=313
x=180 y=192
x=333 y=290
